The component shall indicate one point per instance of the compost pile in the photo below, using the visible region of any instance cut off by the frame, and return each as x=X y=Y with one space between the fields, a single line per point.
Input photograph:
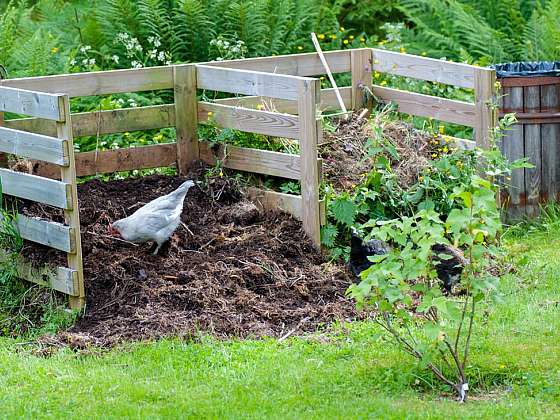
x=231 y=270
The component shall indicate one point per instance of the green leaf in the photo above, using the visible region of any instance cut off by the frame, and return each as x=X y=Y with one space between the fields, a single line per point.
x=344 y=210
x=328 y=235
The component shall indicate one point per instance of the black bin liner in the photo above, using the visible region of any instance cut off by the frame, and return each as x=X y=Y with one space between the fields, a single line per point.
x=527 y=69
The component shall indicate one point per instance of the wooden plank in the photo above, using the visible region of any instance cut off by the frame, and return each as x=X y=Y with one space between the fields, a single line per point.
x=550 y=137
x=247 y=82
x=35 y=104
x=51 y=234
x=72 y=215
x=254 y=160
x=306 y=64
x=288 y=203
x=36 y=188
x=107 y=122
x=449 y=110
x=34 y=146
x=253 y=121
x=186 y=116
x=309 y=90
x=532 y=103
x=514 y=197
x=485 y=119
x=98 y=83
x=61 y=279
x=424 y=68
x=361 y=61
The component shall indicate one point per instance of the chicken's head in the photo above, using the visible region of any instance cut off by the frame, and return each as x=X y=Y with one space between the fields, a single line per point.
x=113 y=231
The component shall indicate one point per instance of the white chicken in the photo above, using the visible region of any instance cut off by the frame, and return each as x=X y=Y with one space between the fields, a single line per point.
x=156 y=221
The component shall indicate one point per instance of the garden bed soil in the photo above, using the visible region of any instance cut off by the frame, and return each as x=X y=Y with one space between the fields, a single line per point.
x=230 y=271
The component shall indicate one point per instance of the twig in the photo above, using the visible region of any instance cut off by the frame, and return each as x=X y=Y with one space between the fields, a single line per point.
x=112 y=237
x=329 y=74
x=293 y=330
x=187 y=228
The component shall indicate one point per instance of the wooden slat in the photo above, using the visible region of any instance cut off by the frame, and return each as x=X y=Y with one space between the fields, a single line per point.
x=54 y=235
x=34 y=146
x=514 y=196
x=254 y=160
x=309 y=92
x=186 y=117
x=361 y=77
x=100 y=82
x=449 y=110
x=306 y=64
x=107 y=122
x=36 y=188
x=424 y=68
x=485 y=119
x=35 y=104
x=247 y=82
x=288 y=203
x=61 y=279
x=72 y=215
x=532 y=103
x=550 y=133
x=261 y=122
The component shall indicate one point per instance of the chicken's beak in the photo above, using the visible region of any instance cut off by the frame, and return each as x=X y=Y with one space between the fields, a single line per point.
x=112 y=231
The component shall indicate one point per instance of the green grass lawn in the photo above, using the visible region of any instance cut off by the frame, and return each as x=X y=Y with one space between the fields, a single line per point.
x=515 y=367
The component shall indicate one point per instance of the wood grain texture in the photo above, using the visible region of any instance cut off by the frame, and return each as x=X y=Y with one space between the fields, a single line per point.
x=306 y=64
x=288 y=203
x=361 y=62
x=72 y=214
x=449 y=110
x=34 y=146
x=254 y=160
x=532 y=134
x=550 y=137
x=186 y=117
x=36 y=188
x=307 y=106
x=248 y=82
x=61 y=279
x=98 y=83
x=424 y=68
x=253 y=121
x=513 y=197
x=51 y=234
x=485 y=116
x=34 y=104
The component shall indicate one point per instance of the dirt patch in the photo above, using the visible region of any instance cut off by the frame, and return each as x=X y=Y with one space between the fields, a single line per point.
x=230 y=271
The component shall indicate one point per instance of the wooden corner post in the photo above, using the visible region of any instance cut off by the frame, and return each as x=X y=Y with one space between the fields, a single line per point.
x=309 y=94
x=484 y=81
x=186 y=116
x=361 y=65
x=72 y=215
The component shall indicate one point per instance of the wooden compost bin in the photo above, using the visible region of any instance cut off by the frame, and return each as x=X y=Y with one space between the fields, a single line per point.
x=282 y=82
x=536 y=136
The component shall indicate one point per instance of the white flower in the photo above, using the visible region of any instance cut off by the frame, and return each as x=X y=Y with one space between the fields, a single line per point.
x=161 y=56
x=138 y=47
x=152 y=53
x=85 y=61
x=157 y=42
x=91 y=61
x=85 y=49
x=115 y=58
x=168 y=63
x=151 y=39
x=72 y=62
x=135 y=64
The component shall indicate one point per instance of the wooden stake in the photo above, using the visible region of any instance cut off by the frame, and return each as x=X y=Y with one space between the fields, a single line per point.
x=329 y=74
x=186 y=116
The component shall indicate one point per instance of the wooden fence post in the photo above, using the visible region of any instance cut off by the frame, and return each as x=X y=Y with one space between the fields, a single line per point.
x=361 y=65
x=186 y=116
x=72 y=216
x=309 y=95
x=484 y=80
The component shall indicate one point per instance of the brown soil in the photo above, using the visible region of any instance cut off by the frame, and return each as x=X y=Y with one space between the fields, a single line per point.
x=233 y=271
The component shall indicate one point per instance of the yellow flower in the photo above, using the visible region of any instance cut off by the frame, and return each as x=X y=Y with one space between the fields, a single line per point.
x=221 y=173
x=377 y=75
x=351 y=37
x=376 y=61
x=502 y=366
x=260 y=106
x=434 y=155
x=345 y=42
x=333 y=36
x=445 y=149
x=322 y=78
x=383 y=83
x=158 y=137
x=126 y=134
x=321 y=36
x=300 y=47
x=424 y=53
x=341 y=29
x=403 y=50
x=441 y=129
x=210 y=113
x=362 y=39
x=420 y=178
x=54 y=50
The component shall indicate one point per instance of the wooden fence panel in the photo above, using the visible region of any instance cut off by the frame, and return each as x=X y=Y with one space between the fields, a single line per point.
x=36 y=188
x=35 y=104
x=51 y=234
x=532 y=104
x=34 y=146
x=550 y=134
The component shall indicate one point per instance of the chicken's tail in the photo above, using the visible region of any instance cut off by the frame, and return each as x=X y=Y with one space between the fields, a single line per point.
x=183 y=188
